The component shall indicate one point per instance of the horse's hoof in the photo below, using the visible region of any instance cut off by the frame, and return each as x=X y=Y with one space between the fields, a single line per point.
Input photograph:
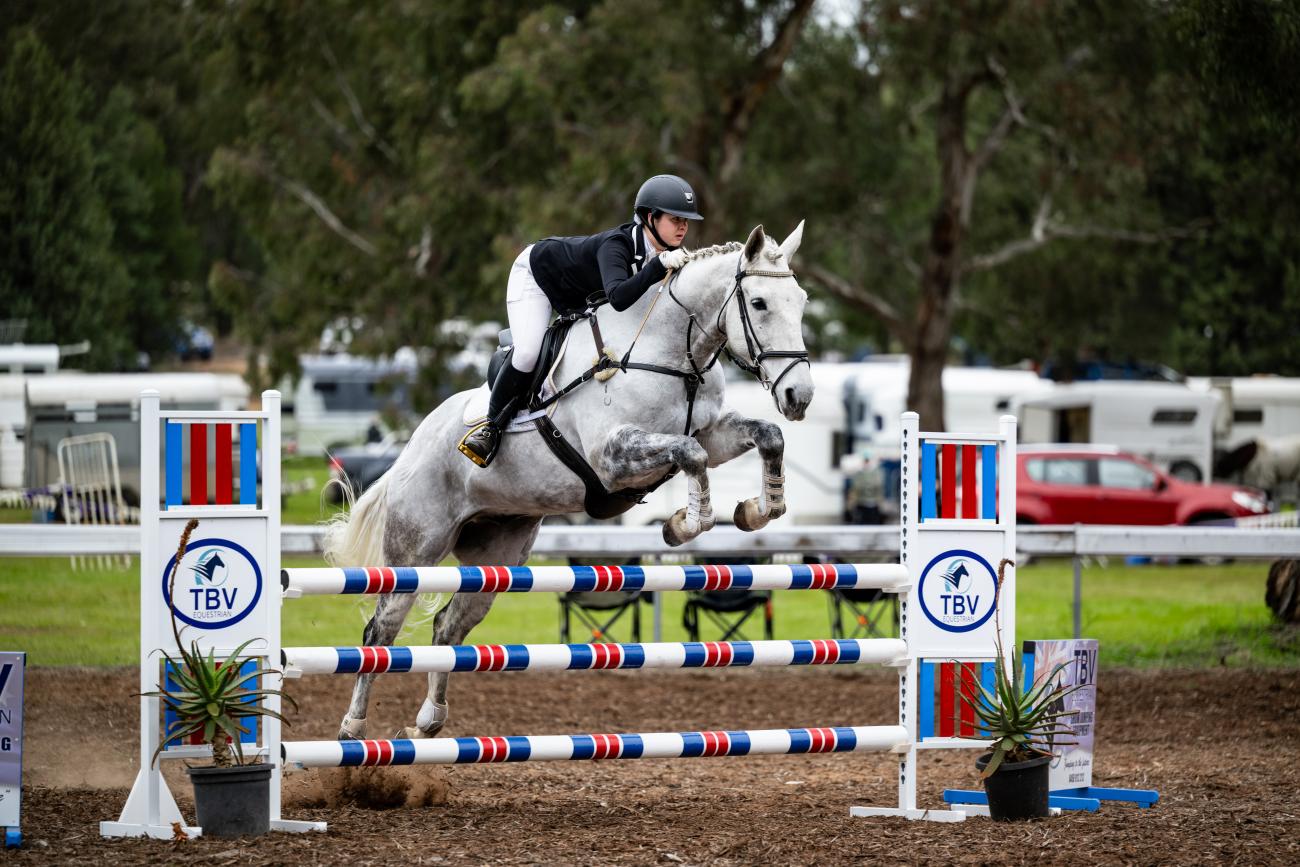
x=430 y=720
x=675 y=532
x=352 y=729
x=747 y=516
x=411 y=733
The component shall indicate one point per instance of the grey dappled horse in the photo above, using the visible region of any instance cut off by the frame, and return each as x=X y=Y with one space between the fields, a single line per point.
x=433 y=502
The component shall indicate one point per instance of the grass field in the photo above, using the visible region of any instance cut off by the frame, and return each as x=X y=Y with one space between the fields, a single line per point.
x=1197 y=616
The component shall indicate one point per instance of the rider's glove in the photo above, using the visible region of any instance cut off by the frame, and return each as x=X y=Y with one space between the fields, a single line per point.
x=672 y=259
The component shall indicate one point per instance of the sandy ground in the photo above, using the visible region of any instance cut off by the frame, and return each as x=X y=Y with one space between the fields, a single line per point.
x=1222 y=747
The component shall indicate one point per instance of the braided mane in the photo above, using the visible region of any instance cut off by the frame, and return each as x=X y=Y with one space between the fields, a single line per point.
x=715 y=250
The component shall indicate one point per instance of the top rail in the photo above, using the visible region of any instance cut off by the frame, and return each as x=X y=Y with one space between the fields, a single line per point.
x=890 y=577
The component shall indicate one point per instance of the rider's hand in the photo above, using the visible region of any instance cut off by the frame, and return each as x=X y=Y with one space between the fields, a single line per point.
x=672 y=259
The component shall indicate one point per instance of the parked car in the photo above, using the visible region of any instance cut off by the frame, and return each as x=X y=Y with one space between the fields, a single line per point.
x=1089 y=484
x=361 y=466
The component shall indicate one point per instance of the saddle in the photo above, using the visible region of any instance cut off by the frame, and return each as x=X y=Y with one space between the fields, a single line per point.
x=543 y=396
x=540 y=388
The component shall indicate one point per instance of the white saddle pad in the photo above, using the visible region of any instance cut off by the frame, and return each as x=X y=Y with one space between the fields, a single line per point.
x=477 y=405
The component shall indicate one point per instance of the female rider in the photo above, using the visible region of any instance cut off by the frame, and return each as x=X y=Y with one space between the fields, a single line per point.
x=563 y=273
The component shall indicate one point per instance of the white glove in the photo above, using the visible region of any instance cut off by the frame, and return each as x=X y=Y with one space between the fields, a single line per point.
x=672 y=259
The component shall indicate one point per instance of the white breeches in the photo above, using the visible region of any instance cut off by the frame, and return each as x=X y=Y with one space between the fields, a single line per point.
x=529 y=312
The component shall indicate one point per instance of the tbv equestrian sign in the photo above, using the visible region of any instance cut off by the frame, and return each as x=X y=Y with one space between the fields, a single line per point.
x=217 y=585
x=958 y=590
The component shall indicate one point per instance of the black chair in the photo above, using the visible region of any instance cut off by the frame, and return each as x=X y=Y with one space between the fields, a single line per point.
x=728 y=610
x=868 y=608
x=599 y=613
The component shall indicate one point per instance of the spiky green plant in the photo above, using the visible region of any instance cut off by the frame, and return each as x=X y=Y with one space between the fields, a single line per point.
x=1020 y=724
x=210 y=695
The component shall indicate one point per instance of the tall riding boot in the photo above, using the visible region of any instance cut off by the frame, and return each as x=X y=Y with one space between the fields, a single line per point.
x=480 y=444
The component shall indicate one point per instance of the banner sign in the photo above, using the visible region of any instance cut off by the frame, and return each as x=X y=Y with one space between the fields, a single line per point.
x=1072 y=766
x=11 y=741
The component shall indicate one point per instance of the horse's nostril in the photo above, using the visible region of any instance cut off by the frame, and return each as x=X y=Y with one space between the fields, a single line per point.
x=789 y=397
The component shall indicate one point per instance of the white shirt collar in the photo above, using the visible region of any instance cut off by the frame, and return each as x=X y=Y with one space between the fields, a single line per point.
x=648 y=244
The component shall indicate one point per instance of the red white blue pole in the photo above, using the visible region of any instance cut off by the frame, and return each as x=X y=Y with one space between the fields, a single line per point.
x=561 y=657
x=890 y=577
x=540 y=748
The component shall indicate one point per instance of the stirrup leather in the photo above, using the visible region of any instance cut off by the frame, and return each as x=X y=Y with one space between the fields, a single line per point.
x=481 y=453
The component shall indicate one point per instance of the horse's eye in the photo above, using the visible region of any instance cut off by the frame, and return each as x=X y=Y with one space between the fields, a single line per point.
x=758 y=304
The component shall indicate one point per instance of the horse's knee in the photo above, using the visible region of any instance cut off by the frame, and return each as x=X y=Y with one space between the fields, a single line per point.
x=691 y=457
x=768 y=439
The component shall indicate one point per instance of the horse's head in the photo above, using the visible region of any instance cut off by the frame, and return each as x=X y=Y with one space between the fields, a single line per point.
x=764 y=325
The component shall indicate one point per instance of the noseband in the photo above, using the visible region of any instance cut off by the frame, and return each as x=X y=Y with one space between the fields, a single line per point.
x=757 y=354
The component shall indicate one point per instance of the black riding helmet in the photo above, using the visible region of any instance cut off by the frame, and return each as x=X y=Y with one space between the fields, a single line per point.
x=669 y=194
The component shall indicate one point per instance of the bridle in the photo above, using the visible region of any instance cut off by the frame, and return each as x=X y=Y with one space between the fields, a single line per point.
x=757 y=354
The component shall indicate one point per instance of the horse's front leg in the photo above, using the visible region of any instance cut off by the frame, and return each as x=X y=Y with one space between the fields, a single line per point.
x=731 y=436
x=630 y=456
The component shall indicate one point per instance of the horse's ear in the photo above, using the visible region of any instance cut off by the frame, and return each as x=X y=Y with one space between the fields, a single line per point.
x=754 y=246
x=791 y=244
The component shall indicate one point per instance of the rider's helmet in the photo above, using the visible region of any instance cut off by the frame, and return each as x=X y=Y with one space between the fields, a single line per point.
x=666 y=194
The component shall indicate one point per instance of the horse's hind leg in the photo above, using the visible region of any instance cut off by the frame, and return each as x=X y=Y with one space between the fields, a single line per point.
x=484 y=542
x=385 y=623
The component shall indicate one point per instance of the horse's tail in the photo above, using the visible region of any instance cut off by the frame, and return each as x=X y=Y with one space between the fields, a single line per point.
x=356 y=537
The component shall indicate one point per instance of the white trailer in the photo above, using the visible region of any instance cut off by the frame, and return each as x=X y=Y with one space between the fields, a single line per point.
x=338 y=397
x=854 y=414
x=1167 y=423
x=29 y=358
x=814 y=483
x=1252 y=407
x=974 y=398
x=63 y=405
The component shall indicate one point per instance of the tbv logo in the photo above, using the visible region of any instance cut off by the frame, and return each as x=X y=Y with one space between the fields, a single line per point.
x=210 y=574
x=958 y=601
x=221 y=587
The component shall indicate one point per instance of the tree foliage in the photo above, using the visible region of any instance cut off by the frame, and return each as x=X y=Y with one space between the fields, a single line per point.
x=992 y=179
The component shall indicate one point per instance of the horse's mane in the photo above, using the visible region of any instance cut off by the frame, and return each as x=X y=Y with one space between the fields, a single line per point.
x=715 y=250
x=771 y=251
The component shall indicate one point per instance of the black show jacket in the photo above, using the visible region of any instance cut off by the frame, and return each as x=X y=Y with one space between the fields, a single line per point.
x=569 y=270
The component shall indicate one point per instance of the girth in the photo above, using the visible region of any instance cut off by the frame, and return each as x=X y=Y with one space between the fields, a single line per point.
x=599 y=502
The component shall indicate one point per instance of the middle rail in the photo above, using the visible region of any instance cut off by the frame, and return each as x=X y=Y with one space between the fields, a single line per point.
x=561 y=657
x=890 y=577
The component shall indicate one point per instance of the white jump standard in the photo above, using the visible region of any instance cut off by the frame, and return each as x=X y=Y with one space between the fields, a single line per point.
x=958 y=523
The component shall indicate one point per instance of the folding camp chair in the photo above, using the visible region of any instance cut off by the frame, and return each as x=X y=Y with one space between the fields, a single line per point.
x=868 y=609
x=728 y=610
x=599 y=612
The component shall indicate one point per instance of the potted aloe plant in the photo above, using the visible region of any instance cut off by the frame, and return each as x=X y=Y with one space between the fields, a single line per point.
x=1023 y=726
x=212 y=697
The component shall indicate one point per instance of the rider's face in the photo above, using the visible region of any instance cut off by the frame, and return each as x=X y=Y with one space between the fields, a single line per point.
x=672 y=229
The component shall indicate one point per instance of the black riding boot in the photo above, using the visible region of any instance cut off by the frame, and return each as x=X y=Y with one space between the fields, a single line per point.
x=480 y=444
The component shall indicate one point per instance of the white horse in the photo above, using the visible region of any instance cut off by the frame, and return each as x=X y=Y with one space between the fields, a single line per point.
x=631 y=428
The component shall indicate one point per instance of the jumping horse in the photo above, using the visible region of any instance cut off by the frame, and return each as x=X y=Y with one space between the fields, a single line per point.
x=658 y=410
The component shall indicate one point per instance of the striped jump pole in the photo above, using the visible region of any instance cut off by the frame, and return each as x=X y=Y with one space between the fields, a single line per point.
x=545 y=748
x=569 y=657
x=890 y=577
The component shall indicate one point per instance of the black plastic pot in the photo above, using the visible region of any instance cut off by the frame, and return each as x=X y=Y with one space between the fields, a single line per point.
x=1017 y=790
x=232 y=802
